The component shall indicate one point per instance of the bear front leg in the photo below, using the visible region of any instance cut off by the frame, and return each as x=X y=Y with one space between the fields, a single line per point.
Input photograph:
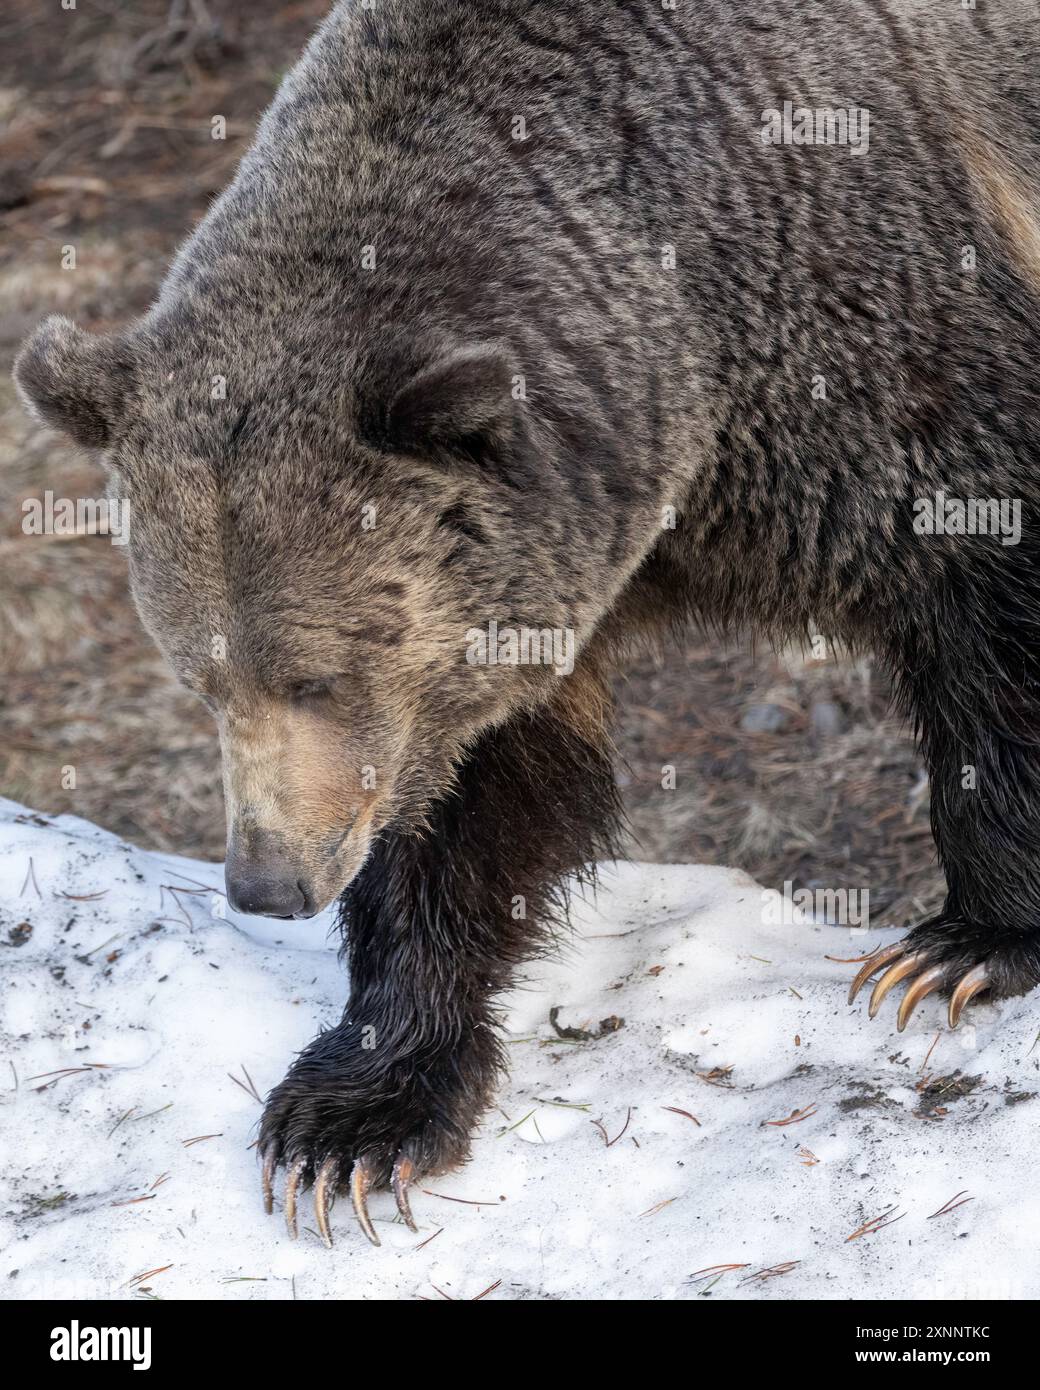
x=976 y=700
x=435 y=926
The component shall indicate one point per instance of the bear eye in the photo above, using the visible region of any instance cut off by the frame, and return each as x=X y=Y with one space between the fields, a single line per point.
x=310 y=689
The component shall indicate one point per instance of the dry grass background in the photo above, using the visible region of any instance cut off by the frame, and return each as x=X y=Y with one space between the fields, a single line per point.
x=106 y=146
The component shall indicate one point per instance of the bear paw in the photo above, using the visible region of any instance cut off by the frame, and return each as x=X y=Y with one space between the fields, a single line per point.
x=338 y=1132
x=957 y=957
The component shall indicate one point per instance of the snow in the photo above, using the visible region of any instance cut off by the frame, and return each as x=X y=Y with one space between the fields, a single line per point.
x=157 y=996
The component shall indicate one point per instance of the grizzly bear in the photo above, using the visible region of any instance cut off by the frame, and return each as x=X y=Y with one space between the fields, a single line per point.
x=526 y=330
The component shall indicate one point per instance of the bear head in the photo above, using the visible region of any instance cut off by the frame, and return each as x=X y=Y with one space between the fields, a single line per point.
x=320 y=525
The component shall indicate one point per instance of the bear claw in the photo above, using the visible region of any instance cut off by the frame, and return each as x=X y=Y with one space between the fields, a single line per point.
x=404 y=1169
x=324 y=1189
x=924 y=984
x=975 y=980
x=292 y=1183
x=326 y=1182
x=928 y=978
x=899 y=970
x=872 y=965
x=267 y=1180
x=360 y=1182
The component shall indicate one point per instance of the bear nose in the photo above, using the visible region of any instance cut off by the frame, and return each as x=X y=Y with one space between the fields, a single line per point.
x=265 y=893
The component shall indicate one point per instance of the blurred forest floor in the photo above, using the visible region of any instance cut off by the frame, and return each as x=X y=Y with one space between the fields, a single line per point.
x=794 y=770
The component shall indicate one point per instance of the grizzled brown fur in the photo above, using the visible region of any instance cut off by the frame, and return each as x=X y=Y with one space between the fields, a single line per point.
x=515 y=349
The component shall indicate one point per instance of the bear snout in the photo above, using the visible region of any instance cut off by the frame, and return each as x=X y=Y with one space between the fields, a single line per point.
x=268 y=887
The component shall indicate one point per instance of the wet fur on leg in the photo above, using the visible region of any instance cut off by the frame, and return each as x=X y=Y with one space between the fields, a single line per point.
x=433 y=936
x=969 y=660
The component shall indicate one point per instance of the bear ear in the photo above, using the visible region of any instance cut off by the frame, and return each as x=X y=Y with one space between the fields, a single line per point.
x=459 y=403
x=73 y=381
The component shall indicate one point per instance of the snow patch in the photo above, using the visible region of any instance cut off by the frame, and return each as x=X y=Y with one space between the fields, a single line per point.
x=135 y=1008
